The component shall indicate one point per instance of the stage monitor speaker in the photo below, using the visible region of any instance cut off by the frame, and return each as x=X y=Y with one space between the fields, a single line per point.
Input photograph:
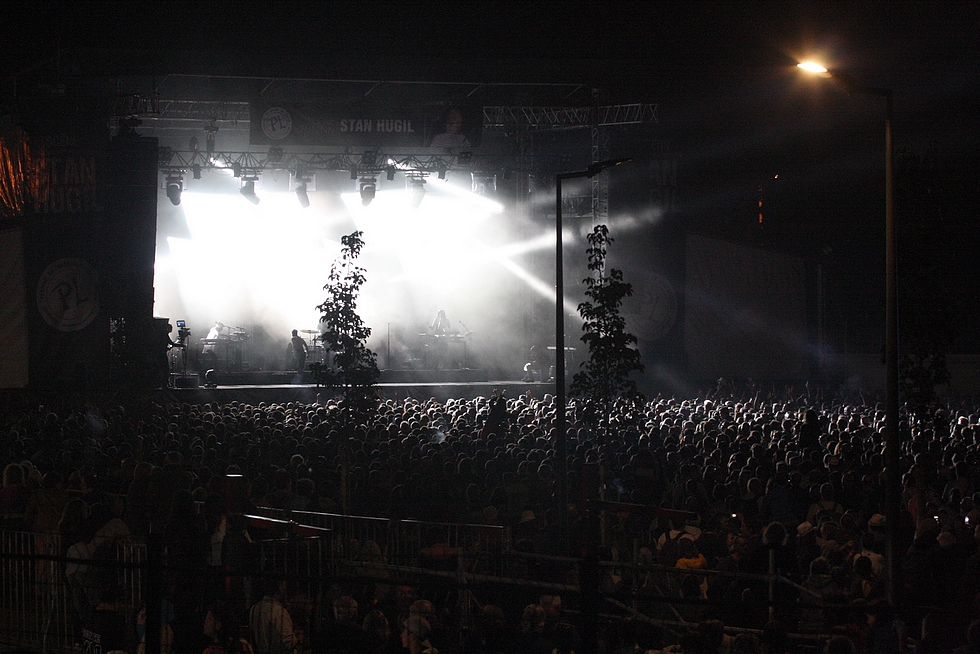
x=186 y=381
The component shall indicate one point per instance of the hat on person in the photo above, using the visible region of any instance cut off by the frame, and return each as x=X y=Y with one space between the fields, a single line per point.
x=527 y=516
x=877 y=520
x=804 y=528
x=418 y=626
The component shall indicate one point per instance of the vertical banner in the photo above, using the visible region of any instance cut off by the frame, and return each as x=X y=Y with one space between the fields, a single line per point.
x=65 y=284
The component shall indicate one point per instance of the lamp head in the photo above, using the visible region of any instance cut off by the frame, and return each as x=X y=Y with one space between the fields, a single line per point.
x=812 y=67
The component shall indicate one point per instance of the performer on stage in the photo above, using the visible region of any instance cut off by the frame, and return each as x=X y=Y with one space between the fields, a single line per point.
x=209 y=356
x=441 y=325
x=216 y=332
x=298 y=347
x=532 y=369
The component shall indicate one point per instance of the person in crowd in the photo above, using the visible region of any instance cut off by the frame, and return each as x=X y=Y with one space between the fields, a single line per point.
x=377 y=630
x=13 y=497
x=532 y=639
x=223 y=631
x=342 y=635
x=415 y=636
x=269 y=621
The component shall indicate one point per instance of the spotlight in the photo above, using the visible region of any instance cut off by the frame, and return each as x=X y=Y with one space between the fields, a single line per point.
x=353 y=172
x=197 y=171
x=368 y=189
x=442 y=172
x=390 y=173
x=303 y=183
x=418 y=191
x=236 y=169
x=304 y=199
x=210 y=134
x=248 y=190
x=175 y=185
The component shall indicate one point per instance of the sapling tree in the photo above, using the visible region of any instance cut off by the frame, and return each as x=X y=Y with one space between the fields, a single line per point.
x=355 y=369
x=606 y=375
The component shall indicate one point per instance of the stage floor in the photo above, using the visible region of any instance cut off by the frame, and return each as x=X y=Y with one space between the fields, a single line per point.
x=311 y=393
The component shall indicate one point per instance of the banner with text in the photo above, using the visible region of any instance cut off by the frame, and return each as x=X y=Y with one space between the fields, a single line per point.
x=290 y=123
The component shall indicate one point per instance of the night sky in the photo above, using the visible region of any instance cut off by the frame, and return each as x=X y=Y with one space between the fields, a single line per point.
x=733 y=109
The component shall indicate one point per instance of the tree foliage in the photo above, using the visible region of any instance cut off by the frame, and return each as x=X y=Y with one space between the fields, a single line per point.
x=605 y=376
x=355 y=369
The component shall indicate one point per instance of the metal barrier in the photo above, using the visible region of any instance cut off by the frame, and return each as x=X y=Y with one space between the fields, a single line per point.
x=477 y=549
x=36 y=601
x=34 y=597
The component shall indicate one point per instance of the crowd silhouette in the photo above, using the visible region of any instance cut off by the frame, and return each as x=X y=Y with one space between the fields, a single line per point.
x=744 y=479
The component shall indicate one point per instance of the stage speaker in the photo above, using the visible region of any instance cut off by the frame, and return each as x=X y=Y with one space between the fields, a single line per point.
x=186 y=381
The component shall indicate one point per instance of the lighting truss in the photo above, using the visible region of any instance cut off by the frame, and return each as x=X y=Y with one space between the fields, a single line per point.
x=551 y=118
x=181 y=114
x=178 y=161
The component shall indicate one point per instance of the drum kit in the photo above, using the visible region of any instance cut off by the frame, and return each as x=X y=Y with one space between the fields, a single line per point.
x=316 y=352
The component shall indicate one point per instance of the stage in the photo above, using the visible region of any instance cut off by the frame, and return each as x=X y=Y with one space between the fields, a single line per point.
x=284 y=386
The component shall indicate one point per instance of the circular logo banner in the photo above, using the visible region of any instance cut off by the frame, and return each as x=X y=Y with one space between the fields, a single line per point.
x=67 y=295
x=276 y=123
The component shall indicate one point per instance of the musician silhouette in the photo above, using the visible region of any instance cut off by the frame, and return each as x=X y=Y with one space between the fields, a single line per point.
x=209 y=355
x=442 y=333
x=298 y=356
x=441 y=324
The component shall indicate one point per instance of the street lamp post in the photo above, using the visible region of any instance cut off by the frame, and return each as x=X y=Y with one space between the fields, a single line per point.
x=561 y=444
x=893 y=477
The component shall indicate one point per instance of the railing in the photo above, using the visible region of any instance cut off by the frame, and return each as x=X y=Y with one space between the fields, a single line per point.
x=39 y=607
x=33 y=598
x=479 y=549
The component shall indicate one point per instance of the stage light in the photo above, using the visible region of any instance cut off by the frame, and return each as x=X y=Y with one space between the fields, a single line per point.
x=353 y=172
x=417 y=185
x=303 y=182
x=196 y=168
x=175 y=185
x=368 y=189
x=236 y=169
x=390 y=173
x=210 y=132
x=442 y=172
x=248 y=190
x=304 y=199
